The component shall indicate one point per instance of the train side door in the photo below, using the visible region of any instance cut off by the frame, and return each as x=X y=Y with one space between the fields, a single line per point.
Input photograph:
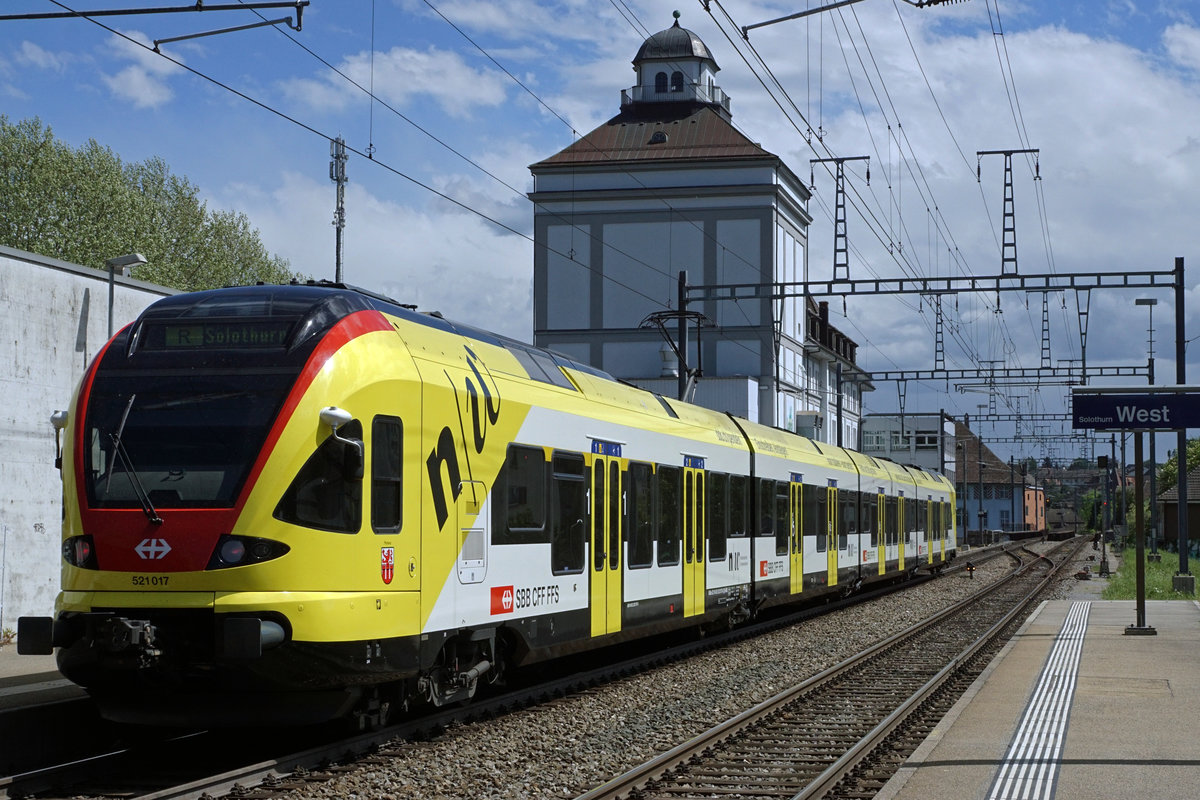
x=795 y=536
x=831 y=514
x=941 y=526
x=883 y=531
x=607 y=506
x=927 y=527
x=901 y=531
x=693 y=536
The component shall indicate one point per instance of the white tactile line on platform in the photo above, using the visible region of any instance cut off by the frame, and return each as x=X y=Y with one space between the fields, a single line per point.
x=1029 y=770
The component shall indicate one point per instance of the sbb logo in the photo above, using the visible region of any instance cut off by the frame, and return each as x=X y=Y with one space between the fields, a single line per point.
x=502 y=599
x=762 y=569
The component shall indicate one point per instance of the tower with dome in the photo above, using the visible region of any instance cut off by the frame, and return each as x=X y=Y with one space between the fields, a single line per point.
x=667 y=185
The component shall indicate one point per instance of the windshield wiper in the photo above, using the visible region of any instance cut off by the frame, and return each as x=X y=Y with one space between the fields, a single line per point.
x=136 y=482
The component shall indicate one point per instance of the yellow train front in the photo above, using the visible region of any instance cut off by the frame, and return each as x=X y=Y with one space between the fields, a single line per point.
x=296 y=503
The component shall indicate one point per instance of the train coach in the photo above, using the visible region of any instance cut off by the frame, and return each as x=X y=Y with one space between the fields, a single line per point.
x=303 y=502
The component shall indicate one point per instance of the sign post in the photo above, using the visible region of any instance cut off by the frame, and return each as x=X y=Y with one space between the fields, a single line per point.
x=1162 y=408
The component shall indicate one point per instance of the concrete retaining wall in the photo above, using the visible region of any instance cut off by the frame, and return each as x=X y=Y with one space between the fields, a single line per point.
x=53 y=321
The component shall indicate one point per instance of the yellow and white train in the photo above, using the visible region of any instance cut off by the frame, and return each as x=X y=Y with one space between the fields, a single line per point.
x=304 y=502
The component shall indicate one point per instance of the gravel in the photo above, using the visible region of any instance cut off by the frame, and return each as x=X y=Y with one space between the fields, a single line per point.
x=567 y=747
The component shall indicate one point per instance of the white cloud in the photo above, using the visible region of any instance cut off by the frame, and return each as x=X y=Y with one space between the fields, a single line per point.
x=30 y=55
x=455 y=263
x=1183 y=45
x=139 y=87
x=143 y=82
x=402 y=75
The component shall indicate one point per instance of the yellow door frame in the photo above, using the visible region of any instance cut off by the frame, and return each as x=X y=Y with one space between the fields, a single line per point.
x=831 y=496
x=606 y=494
x=796 y=535
x=901 y=531
x=694 y=518
x=930 y=541
x=880 y=526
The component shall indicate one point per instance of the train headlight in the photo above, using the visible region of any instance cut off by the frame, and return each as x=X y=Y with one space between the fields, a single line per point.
x=80 y=551
x=233 y=551
x=238 y=551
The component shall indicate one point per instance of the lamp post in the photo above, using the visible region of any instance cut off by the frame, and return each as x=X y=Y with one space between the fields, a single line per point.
x=1151 y=302
x=125 y=263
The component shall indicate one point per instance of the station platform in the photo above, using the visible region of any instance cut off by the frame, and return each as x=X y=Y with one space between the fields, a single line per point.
x=1073 y=708
x=13 y=665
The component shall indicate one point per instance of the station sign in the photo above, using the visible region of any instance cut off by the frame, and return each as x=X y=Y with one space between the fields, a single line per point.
x=1147 y=412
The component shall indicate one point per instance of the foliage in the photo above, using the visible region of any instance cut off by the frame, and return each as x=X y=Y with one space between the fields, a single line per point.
x=1159 y=580
x=1168 y=473
x=86 y=205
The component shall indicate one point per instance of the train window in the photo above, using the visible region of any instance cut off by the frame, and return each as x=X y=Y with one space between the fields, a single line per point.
x=718 y=515
x=737 y=505
x=689 y=520
x=568 y=529
x=811 y=515
x=598 y=509
x=910 y=519
x=921 y=514
x=870 y=516
x=325 y=494
x=387 y=472
x=783 y=517
x=640 y=523
x=848 y=513
x=890 y=521
x=668 y=482
x=766 y=502
x=540 y=366
x=614 y=515
x=519 y=497
x=821 y=518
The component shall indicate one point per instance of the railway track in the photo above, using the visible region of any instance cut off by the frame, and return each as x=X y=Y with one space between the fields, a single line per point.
x=843 y=732
x=196 y=764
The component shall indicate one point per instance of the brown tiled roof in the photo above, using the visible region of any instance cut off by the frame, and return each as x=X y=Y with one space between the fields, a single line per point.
x=1193 y=489
x=994 y=469
x=693 y=131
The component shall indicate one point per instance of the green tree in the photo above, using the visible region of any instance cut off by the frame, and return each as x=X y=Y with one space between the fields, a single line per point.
x=86 y=205
x=1168 y=473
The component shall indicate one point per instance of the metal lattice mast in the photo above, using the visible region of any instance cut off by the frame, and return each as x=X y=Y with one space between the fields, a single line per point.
x=841 y=252
x=939 y=342
x=1008 y=246
x=1045 y=329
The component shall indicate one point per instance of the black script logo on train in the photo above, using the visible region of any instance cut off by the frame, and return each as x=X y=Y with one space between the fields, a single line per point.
x=484 y=414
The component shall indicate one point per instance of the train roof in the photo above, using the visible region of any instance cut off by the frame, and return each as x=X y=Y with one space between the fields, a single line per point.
x=317 y=304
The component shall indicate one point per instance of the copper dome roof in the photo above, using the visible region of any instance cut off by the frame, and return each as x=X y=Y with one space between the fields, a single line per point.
x=675 y=42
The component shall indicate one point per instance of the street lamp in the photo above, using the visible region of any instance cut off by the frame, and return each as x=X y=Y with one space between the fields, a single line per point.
x=1151 y=302
x=125 y=263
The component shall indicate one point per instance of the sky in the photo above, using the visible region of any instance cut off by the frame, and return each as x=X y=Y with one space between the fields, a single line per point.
x=467 y=94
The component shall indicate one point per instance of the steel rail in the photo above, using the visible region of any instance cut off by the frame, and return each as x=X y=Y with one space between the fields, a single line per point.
x=826 y=781
x=626 y=784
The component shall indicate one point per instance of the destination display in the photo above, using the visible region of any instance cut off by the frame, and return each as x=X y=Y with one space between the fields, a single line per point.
x=217 y=335
x=1163 y=412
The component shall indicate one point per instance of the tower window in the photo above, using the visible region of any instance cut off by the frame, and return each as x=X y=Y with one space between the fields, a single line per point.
x=660 y=83
x=676 y=81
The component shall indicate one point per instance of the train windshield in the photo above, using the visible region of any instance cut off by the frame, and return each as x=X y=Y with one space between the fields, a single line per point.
x=184 y=439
